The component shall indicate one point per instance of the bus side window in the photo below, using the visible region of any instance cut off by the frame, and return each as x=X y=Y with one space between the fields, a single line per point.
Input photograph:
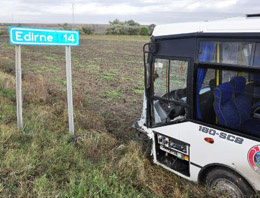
x=234 y=103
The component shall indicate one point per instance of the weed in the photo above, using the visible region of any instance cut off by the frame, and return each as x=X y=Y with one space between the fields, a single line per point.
x=7 y=93
x=109 y=76
x=138 y=91
x=50 y=58
x=60 y=80
x=127 y=79
x=44 y=68
x=78 y=65
x=7 y=65
x=7 y=111
x=54 y=70
x=113 y=94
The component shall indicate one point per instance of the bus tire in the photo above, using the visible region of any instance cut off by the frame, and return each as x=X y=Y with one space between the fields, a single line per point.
x=229 y=183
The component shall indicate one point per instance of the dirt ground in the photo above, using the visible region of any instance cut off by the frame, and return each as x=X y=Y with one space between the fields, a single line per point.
x=107 y=75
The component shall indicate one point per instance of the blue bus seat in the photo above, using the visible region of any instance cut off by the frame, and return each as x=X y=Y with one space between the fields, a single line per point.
x=225 y=107
x=243 y=105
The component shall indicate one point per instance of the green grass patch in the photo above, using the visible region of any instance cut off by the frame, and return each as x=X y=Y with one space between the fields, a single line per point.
x=8 y=93
x=113 y=94
x=111 y=76
x=92 y=68
x=126 y=79
x=44 y=68
x=60 y=80
x=78 y=65
x=138 y=91
x=7 y=111
x=50 y=58
x=53 y=70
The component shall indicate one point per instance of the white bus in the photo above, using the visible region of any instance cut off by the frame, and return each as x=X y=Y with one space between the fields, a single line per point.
x=201 y=107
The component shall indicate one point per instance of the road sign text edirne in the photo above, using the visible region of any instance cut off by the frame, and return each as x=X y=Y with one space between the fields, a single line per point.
x=35 y=36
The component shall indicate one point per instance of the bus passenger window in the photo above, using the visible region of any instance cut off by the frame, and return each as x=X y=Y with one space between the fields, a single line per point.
x=228 y=75
x=256 y=62
x=233 y=102
x=235 y=53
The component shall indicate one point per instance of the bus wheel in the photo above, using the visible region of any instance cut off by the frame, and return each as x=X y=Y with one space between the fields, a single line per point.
x=229 y=183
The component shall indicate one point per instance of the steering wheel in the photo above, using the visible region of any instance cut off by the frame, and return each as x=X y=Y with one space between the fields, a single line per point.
x=175 y=111
x=179 y=94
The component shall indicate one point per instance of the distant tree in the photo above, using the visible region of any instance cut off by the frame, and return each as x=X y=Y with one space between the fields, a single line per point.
x=87 y=30
x=132 y=23
x=144 y=30
x=129 y=27
x=65 y=26
x=151 y=28
x=115 y=22
x=133 y=30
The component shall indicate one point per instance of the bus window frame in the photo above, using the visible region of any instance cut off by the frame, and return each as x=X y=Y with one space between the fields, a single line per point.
x=189 y=83
x=221 y=67
x=227 y=39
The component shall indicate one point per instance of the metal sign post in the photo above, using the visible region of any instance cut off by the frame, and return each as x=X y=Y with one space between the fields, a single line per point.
x=33 y=36
x=18 y=73
x=69 y=89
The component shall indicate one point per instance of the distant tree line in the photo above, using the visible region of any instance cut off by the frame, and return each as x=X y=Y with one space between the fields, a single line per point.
x=129 y=27
x=116 y=27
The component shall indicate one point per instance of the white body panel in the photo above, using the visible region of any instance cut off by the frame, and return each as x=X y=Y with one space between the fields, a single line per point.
x=202 y=153
x=231 y=25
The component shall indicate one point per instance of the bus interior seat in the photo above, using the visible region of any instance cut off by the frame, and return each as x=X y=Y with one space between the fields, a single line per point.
x=233 y=108
x=224 y=106
x=206 y=104
x=253 y=89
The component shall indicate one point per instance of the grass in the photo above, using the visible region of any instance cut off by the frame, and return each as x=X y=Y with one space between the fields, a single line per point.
x=60 y=80
x=47 y=164
x=101 y=160
x=110 y=76
x=113 y=94
x=45 y=161
x=10 y=94
x=50 y=58
x=138 y=91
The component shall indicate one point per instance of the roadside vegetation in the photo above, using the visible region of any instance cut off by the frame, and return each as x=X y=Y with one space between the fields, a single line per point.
x=103 y=159
x=129 y=27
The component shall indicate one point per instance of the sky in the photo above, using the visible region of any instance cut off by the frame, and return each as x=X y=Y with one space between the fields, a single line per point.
x=142 y=11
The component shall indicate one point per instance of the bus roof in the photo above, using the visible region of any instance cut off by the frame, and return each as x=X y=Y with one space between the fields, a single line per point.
x=230 y=25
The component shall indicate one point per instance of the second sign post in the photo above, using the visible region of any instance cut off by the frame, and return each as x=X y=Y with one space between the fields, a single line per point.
x=32 y=36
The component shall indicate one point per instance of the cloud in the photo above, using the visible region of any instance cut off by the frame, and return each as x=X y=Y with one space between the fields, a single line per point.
x=211 y=5
x=143 y=11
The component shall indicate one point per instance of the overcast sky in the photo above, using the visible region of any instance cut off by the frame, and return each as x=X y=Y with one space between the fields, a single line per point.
x=142 y=11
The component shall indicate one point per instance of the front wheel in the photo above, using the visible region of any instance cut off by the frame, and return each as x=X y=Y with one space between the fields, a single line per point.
x=229 y=183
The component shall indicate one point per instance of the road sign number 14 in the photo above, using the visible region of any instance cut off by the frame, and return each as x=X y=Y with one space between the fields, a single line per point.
x=69 y=38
